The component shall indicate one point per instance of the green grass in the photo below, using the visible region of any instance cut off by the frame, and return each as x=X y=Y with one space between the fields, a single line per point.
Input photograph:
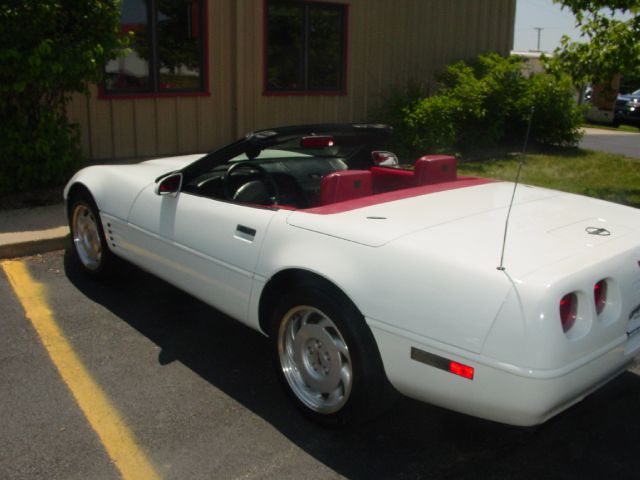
x=621 y=128
x=596 y=174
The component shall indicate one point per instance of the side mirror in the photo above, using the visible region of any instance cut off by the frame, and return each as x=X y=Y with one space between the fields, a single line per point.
x=384 y=159
x=169 y=184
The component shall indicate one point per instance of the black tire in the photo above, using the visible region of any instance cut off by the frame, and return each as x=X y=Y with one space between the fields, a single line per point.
x=89 y=242
x=317 y=321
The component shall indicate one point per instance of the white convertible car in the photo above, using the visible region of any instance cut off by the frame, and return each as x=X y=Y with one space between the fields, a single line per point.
x=371 y=279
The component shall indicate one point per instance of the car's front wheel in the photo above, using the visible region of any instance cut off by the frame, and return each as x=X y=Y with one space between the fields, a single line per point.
x=327 y=358
x=89 y=242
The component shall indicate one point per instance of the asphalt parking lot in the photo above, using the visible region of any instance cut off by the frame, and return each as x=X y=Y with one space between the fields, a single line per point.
x=612 y=141
x=197 y=398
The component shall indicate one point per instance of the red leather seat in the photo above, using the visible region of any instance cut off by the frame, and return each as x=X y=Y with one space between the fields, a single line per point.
x=432 y=169
x=388 y=179
x=345 y=185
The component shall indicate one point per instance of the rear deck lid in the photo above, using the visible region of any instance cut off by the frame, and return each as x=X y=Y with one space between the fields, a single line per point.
x=378 y=224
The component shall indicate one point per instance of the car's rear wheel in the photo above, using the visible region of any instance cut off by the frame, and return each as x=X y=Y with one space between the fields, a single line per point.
x=89 y=242
x=327 y=358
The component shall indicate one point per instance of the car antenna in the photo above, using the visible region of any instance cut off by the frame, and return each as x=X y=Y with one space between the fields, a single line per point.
x=501 y=267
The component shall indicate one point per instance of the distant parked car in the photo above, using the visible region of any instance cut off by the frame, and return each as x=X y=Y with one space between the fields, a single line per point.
x=627 y=109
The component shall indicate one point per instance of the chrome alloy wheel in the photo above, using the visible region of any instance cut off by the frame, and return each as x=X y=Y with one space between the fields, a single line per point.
x=315 y=359
x=86 y=236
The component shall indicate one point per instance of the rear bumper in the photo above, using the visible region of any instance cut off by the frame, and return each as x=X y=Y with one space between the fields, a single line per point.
x=500 y=392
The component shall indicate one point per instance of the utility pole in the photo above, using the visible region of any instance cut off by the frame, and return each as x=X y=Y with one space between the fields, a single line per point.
x=539 y=29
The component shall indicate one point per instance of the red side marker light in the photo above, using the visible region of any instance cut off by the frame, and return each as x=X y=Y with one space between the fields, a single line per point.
x=442 y=363
x=460 y=369
x=317 y=141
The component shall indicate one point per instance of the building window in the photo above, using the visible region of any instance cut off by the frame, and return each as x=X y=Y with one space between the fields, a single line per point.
x=166 y=50
x=306 y=46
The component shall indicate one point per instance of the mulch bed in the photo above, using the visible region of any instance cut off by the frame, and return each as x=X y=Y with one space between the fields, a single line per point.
x=36 y=198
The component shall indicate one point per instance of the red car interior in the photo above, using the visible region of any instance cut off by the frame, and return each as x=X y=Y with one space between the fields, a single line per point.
x=427 y=170
x=366 y=201
x=432 y=169
x=386 y=179
x=345 y=185
x=349 y=189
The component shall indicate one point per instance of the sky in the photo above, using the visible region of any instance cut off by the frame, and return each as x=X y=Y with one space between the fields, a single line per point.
x=554 y=22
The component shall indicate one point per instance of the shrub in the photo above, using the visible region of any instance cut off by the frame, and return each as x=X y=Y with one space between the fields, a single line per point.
x=557 y=118
x=484 y=103
x=48 y=49
x=392 y=110
x=431 y=123
x=37 y=152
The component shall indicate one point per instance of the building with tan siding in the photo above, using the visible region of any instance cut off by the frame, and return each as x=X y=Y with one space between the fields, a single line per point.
x=202 y=73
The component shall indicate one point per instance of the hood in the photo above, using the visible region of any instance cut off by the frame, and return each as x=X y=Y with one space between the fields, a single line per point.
x=467 y=225
x=628 y=97
x=173 y=163
x=627 y=100
x=378 y=224
x=161 y=166
x=142 y=173
x=115 y=187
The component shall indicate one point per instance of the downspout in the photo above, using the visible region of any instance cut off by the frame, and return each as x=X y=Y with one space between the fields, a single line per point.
x=236 y=100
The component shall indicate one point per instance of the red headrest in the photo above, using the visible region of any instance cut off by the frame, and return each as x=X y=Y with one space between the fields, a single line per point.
x=432 y=169
x=345 y=185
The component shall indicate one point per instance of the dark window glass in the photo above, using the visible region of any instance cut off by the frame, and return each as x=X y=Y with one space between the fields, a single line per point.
x=286 y=47
x=305 y=46
x=325 y=48
x=166 y=50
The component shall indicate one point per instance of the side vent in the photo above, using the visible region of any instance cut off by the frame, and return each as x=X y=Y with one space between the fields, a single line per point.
x=110 y=236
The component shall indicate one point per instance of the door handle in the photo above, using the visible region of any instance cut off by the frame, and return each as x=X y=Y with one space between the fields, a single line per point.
x=245 y=233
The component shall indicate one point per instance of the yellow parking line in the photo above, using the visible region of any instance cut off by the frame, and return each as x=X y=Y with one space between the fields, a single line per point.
x=102 y=416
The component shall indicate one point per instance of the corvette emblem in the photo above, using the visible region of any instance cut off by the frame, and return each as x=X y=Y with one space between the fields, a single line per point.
x=602 y=232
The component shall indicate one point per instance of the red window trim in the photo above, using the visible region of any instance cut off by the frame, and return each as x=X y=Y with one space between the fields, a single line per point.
x=205 y=92
x=310 y=93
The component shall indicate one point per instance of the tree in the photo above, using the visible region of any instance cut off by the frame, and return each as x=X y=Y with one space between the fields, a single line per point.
x=48 y=50
x=611 y=30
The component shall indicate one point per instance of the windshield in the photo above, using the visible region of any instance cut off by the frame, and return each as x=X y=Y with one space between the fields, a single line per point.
x=285 y=166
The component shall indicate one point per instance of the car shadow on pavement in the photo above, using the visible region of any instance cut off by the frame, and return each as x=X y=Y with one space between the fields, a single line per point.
x=597 y=438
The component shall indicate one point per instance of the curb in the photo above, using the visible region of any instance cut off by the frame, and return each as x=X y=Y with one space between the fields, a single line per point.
x=35 y=243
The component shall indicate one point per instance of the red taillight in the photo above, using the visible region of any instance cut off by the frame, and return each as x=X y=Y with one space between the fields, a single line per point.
x=600 y=295
x=317 y=141
x=568 y=311
x=460 y=369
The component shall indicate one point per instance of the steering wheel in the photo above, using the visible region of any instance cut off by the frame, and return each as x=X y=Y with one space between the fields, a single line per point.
x=253 y=188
